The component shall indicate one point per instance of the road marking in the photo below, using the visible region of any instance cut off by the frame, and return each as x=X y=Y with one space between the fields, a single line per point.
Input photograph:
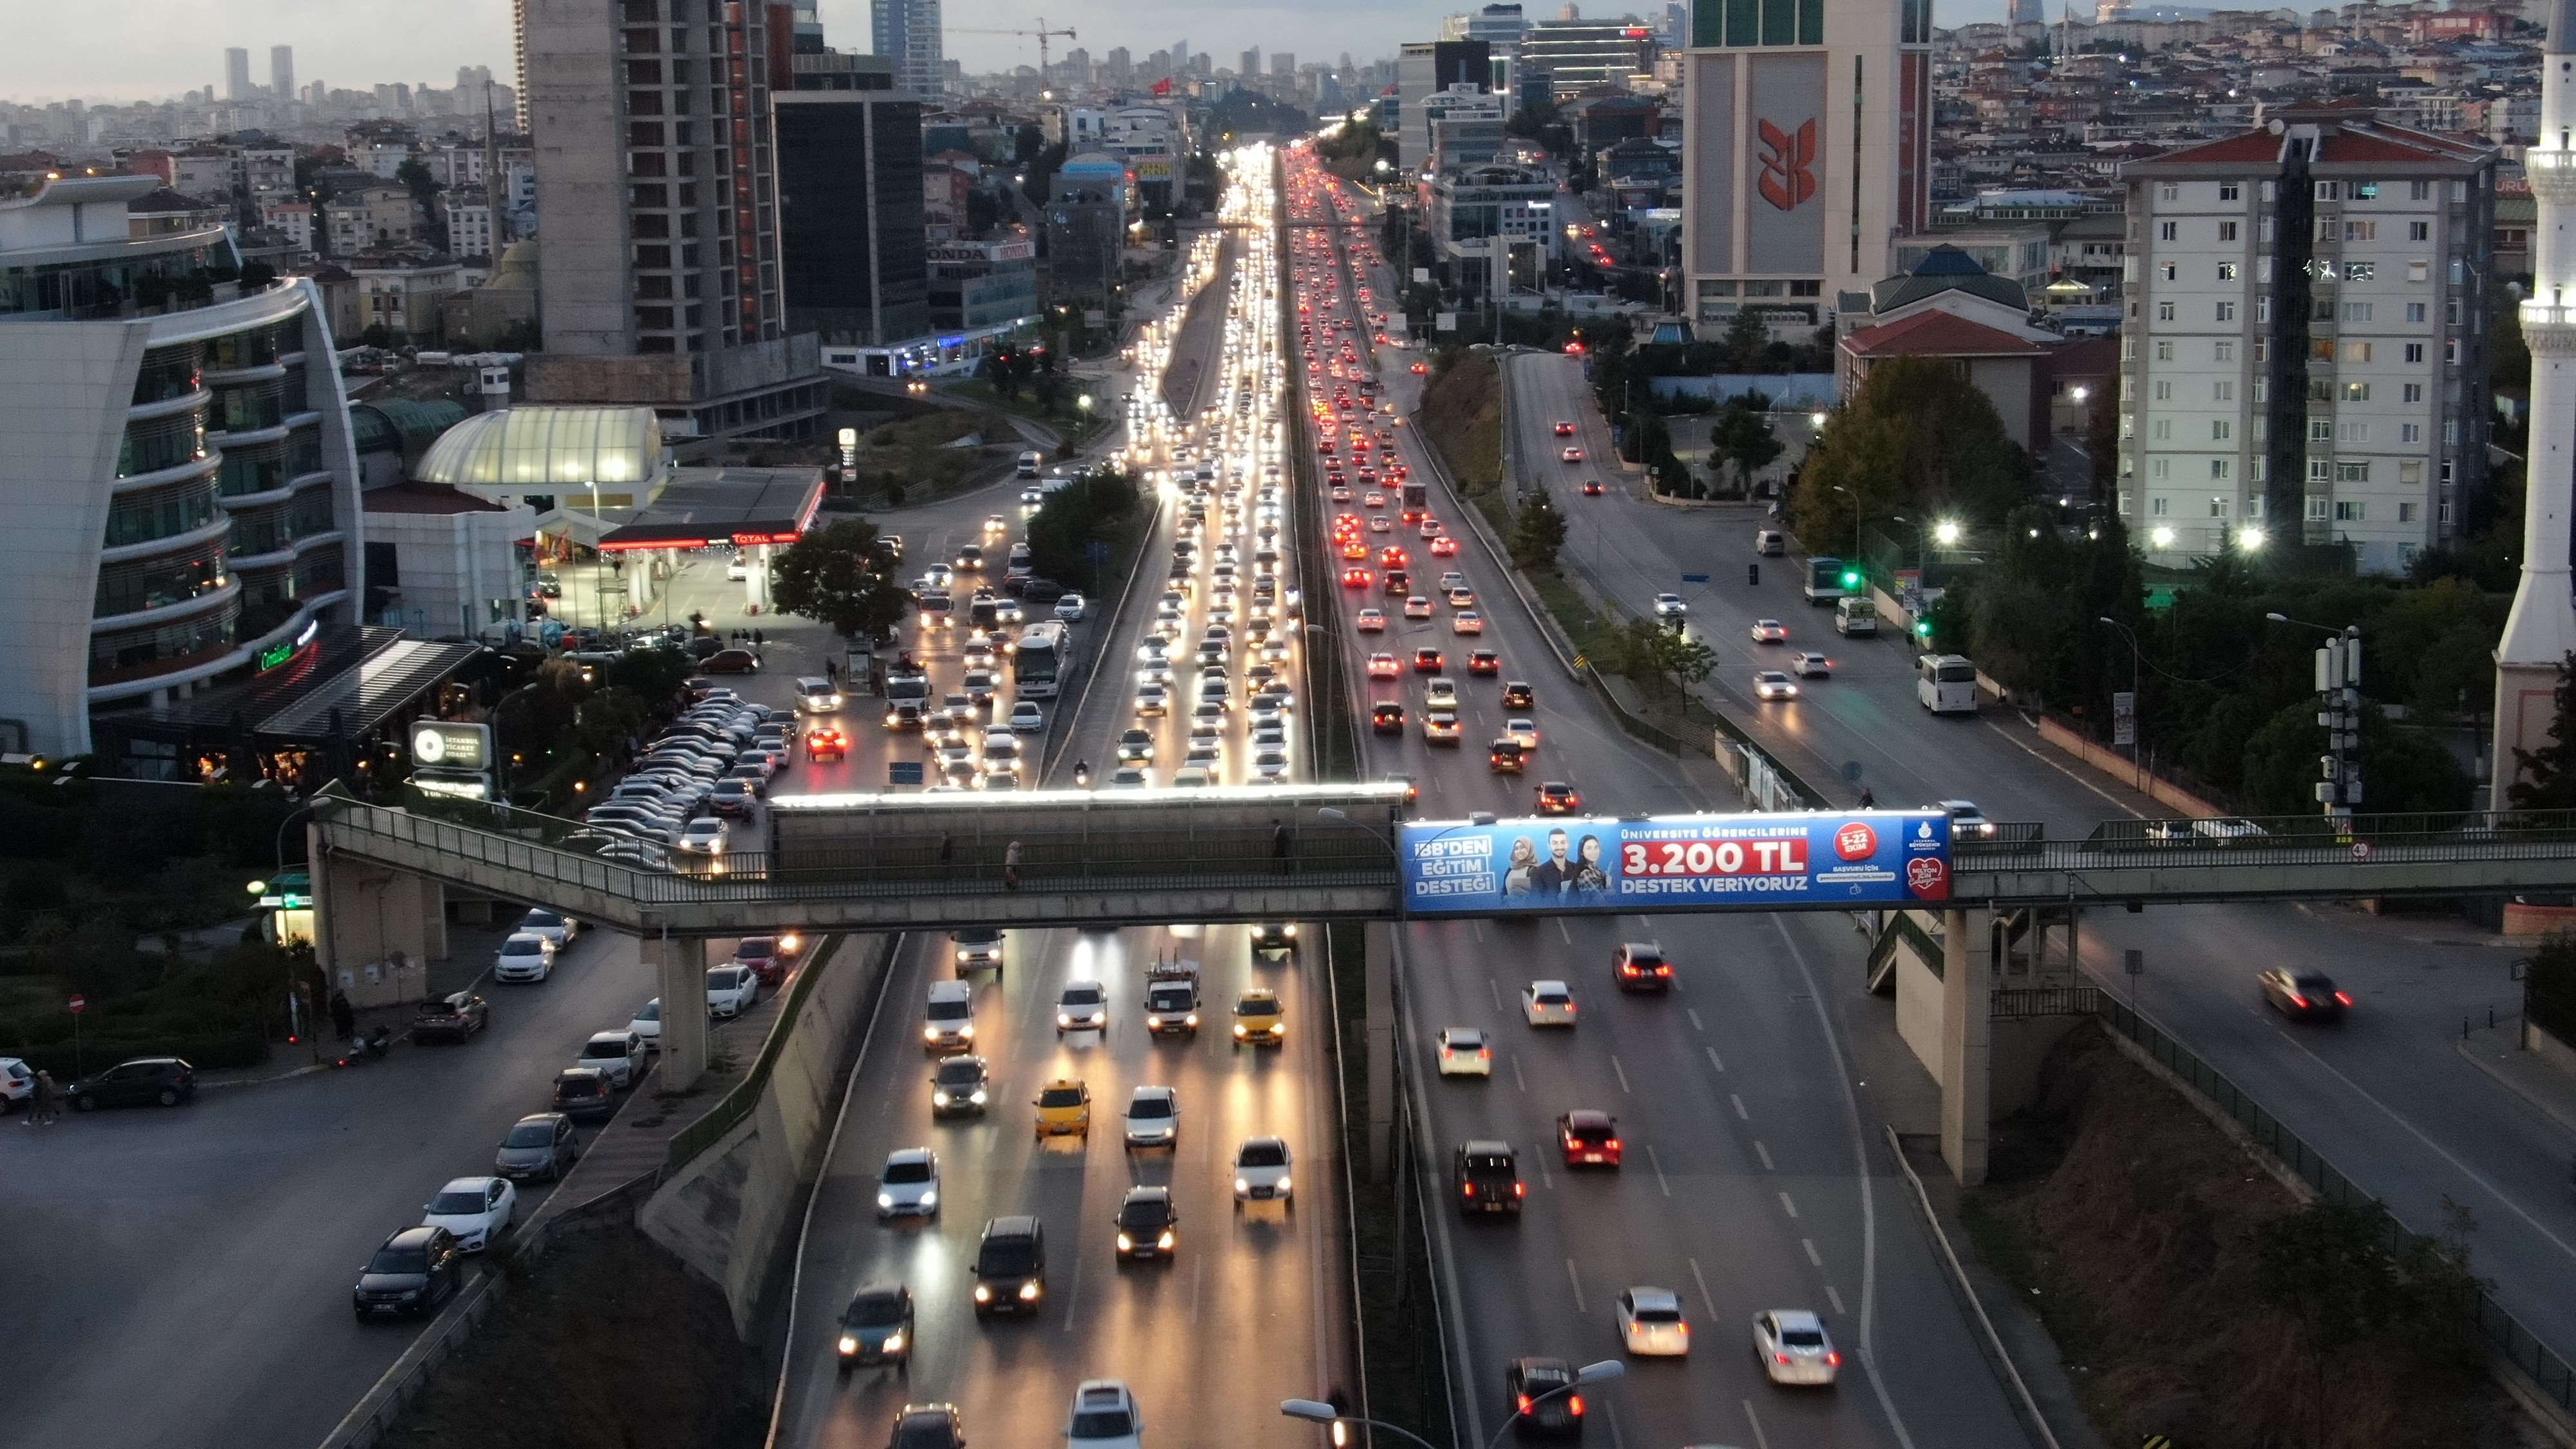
x=1739 y=1107
x=1562 y=931
x=1517 y=1079
x=1622 y=1071
x=1479 y=928
x=1198 y=1281
x=1616 y=1441
x=1813 y=1256
x=1760 y=1440
x=1790 y=1207
x=1704 y=1297
x=2060 y=768
x=1659 y=1170
x=1546 y=1179
x=1712 y=1058
x=1577 y=1285
x=1765 y=1154
x=1834 y=1298
x=1495 y=991
x=1695 y=1022
x=1072 y=1292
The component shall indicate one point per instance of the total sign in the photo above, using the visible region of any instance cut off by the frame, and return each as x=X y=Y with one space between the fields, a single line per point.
x=1688 y=862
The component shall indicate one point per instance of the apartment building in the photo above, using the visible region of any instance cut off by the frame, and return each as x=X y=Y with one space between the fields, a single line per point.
x=2305 y=339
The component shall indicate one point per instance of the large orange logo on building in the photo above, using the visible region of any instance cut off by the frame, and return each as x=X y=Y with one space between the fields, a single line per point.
x=1788 y=165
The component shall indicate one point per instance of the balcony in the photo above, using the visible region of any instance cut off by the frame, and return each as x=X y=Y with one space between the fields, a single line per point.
x=2548 y=330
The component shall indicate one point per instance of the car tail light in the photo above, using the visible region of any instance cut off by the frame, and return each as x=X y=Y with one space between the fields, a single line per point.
x=1524 y=1404
x=1574 y=1402
x=1520 y=1189
x=1663 y=971
x=1467 y=1189
x=1782 y=1357
x=1833 y=1359
x=1610 y=1146
x=2298 y=1000
x=2342 y=1000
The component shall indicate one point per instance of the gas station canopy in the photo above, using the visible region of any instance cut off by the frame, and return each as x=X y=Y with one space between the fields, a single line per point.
x=706 y=506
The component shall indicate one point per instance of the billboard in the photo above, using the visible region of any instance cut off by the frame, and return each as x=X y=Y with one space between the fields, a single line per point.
x=1687 y=862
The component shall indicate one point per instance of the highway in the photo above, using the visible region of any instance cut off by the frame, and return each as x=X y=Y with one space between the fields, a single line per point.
x=2388 y=1096
x=1248 y=1310
x=1750 y=1101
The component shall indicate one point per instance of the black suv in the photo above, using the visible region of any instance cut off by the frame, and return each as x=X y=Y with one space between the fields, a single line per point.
x=1544 y=1401
x=1010 y=1267
x=1274 y=941
x=416 y=1270
x=164 y=1080
x=1148 y=1226
x=960 y=1086
x=1487 y=1177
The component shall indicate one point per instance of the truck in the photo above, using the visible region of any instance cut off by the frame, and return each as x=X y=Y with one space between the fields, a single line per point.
x=907 y=693
x=1172 y=997
x=1828 y=580
x=1417 y=501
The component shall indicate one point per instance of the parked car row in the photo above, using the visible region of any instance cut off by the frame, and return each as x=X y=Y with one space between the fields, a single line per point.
x=714 y=763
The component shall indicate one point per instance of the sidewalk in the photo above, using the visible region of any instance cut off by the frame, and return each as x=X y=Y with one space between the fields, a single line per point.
x=2547 y=1090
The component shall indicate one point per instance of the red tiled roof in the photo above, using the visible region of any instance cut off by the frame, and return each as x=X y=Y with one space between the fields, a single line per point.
x=1938 y=334
x=2351 y=136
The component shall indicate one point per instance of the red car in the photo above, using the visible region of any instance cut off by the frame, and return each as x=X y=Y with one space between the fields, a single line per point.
x=1357 y=578
x=823 y=742
x=1419 y=369
x=1591 y=487
x=1588 y=1138
x=1484 y=661
x=1565 y=430
x=731 y=661
x=1393 y=558
x=1558 y=798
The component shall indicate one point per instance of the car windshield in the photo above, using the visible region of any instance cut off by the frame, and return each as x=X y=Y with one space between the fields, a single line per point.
x=1800 y=1337
x=1647 y=958
x=725 y=979
x=1552 y=998
x=458 y=1202
x=399 y=1260
x=923 y=1432
x=1060 y=1097
x=1082 y=996
x=907 y=1172
x=755 y=947
x=1262 y=1154
x=530 y=1134
x=960 y=1074
x=1256 y=1006
x=1659 y=1315
x=652 y=1012
x=874 y=1310
x=523 y=946
x=1150 y=1107
x=1004 y=1256
x=542 y=918
x=1146 y=1212
x=1488 y=1162
x=1102 y=1424
x=614 y=1047
x=2312 y=983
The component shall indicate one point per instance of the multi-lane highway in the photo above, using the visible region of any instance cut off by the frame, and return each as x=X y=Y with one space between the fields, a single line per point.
x=1750 y=1179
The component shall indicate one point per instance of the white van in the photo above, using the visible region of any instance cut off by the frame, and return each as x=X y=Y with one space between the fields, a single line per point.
x=1855 y=615
x=1029 y=464
x=949 y=1024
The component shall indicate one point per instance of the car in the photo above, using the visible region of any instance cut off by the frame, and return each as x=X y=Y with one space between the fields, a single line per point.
x=1027 y=718
x=1506 y=756
x=1793 y=1347
x=1966 y=820
x=1440 y=725
x=524 y=956
x=1153 y=1117
x=1384 y=666
x=1136 y=747
x=160 y=1081
x=1564 y=429
x=1772 y=684
x=1768 y=631
x=1357 y=578
x=409 y=1275
x=1261 y=1171
x=731 y=990
x=453 y=1017
x=1556 y=797
x=1153 y=701
x=558 y=928
x=1071 y=607
x=1517 y=695
x=1064 y=1109
x=1588 y=1138
x=1416 y=606
x=1445 y=546
x=1010 y=1266
x=1380 y=524
x=1429 y=661
x=647 y=1024
x=1373 y=500
x=876 y=1328
x=827 y=742
x=1487 y=1175
x=1386 y=717
x=816 y=695
x=1463 y=1052
x=2303 y=995
x=583 y=1092
x=1370 y=621
x=1543 y=1398
x=1807 y=664
x=927 y=1426
x=539 y=1145
x=1591 y=487
x=734 y=797
x=960 y=1085
x=617 y=1055
x=1548 y=1003
x=1083 y=1006
x=1484 y=663
x=908 y=1185
x=473 y=1210
x=1257 y=1020
x=1104 y=1416
x=1572 y=455
x=1651 y=1324
x=1148 y=1225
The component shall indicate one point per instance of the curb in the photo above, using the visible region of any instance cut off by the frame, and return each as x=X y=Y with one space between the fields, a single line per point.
x=2555 y=1113
x=285 y=1076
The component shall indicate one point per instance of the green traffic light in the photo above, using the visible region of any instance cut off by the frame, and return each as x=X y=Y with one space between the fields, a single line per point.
x=1923 y=629
x=1851 y=580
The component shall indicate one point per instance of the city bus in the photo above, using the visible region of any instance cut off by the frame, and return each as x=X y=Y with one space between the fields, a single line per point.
x=1040 y=660
x=1945 y=683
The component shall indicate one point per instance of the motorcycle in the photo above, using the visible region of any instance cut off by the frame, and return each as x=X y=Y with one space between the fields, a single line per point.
x=1082 y=775
x=368 y=1048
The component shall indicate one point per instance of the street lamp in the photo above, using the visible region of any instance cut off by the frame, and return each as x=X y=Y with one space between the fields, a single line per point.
x=1946 y=532
x=2250 y=538
x=2136 y=655
x=2161 y=536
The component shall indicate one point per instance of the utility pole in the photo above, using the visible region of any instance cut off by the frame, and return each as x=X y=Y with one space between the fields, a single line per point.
x=2339 y=713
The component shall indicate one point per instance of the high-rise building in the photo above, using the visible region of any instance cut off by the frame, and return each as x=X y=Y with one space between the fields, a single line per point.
x=657 y=184
x=1425 y=68
x=1118 y=67
x=281 y=73
x=852 y=252
x=1251 y=64
x=1577 y=54
x=2540 y=633
x=237 y=86
x=907 y=32
x=178 y=490
x=1806 y=144
x=1283 y=63
x=2303 y=358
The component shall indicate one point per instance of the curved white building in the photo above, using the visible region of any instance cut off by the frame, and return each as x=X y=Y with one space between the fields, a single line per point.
x=178 y=491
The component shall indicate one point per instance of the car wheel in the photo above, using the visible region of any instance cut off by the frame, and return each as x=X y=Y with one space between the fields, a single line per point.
x=85 y=1103
x=170 y=1097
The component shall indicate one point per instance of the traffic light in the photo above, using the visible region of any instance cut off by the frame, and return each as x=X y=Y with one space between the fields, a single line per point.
x=1922 y=628
x=1851 y=578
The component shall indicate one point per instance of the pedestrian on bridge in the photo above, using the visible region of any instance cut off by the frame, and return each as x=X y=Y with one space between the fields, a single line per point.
x=1011 y=866
x=1281 y=845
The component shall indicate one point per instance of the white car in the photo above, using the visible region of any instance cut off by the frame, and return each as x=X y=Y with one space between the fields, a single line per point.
x=1769 y=631
x=1104 y=1417
x=619 y=1056
x=475 y=1209
x=1027 y=718
x=1773 y=684
x=1070 y=608
x=1794 y=1347
x=1966 y=819
x=1547 y=1003
x=1670 y=606
x=731 y=990
x=1650 y=1323
x=1153 y=1117
x=647 y=1024
x=1261 y=1171
x=1807 y=664
x=526 y=956
x=909 y=1185
x=1084 y=1006
x=702 y=836
x=1464 y=1053
x=556 y=927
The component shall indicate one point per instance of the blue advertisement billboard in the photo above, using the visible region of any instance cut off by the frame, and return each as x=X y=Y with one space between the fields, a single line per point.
x=1687 y=862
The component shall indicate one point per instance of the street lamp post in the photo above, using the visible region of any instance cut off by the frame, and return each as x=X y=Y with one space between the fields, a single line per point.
x=2338 y=664
x=2136 y=656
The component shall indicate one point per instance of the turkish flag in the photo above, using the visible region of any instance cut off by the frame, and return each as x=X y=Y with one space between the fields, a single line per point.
x=1163 y=87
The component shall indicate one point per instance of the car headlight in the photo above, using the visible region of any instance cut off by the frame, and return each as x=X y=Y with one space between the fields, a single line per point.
x=939 y=1099
x=1238 y=1029
x=1191 y=1020
x=930 y=1033
x=1153 y=1023
x=1063 y=1019
x=1029 y=1291
x=1126 y=1244
x=978 y=1098
x=983 y=1294
x=894 y=1342
x=1292 y=930
x=966 y=1032
x=885 y=1199
x=1242 y=1186
x=1165 y=1241
x=930 y=1198
x=849 y=1344
x=1283 y=1184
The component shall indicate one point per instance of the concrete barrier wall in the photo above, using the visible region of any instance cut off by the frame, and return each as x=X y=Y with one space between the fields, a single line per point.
x=1919 y=1009
x=2146 y=782
x=726 y=1211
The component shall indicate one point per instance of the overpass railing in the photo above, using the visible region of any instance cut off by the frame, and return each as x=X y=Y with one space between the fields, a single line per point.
x=2253 y=843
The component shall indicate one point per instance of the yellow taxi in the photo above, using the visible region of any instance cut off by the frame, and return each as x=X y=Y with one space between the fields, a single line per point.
x=1064 y=1109
x=1256 y=1018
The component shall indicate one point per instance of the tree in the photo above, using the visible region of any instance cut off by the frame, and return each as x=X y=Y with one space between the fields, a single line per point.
x=414 y=174
x=1742 y=436
x=1665 y=659
x=1537 y=534
x=1747 y=338
x=2548 y=774
x=1076 y=516
x=1918 y=439
x=2405 y=771
x=835 y=576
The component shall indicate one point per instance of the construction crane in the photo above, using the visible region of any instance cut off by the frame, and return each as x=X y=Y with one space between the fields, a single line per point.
x=1046 y=68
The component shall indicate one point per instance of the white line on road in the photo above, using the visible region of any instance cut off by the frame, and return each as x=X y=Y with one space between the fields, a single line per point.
x=1546 y=1179
x=1479 y=928
x=1198 y=1280
x=1705 y=1298
x=1645 y=923
x=1495 y=991
x=1659 y=1170
x=1713 y=1060
x=1517 y=1079
x=1577 y=1284
x=1622 y=1071
x=1834 y=1298
x=1739 y=1107
x=1562 y=931
x=1695 y=1022
x=1787 y=1206
x=1760 y=1440
x=1072 y=1292
x=1765 y=1154
x=1813 y=1257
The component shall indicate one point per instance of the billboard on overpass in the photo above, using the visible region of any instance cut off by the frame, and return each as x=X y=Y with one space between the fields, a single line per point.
x=1685 y=862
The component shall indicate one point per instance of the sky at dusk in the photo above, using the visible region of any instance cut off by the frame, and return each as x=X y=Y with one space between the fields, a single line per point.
x=127 y=50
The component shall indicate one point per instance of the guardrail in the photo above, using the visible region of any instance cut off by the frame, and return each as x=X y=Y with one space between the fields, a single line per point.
x=2273 y=841
x=2494 y=1324
x=2023 y=1003
x=738 y=1102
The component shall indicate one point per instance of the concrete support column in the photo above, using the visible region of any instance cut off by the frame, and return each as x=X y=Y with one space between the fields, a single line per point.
x=369 y=936
x=433 y=921
x=1967 y=1049
x=680 y=965
x=639 y=580
x=755 y=576
x=1378 y=991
